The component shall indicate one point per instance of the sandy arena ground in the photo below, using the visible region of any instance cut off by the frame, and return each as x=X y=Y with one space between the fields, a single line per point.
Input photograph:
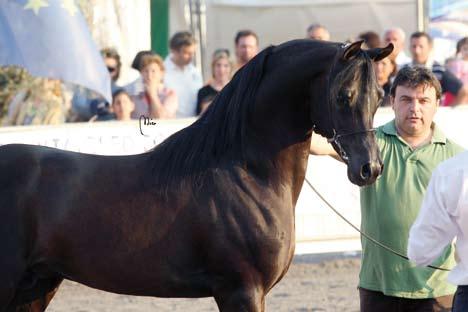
x=313 y=283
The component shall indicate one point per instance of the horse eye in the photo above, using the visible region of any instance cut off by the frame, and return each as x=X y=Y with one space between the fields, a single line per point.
x=345 y=96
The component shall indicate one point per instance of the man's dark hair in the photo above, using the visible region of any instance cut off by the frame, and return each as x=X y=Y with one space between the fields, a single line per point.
x=181 y=39
x=245 y=33
x=414 y=76
x=371 y=39
x=421 y=34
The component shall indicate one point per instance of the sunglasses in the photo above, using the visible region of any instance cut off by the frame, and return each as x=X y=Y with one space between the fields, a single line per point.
x=111 y=69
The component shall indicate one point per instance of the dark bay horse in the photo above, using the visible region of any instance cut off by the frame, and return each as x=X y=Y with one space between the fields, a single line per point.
x=208 y=212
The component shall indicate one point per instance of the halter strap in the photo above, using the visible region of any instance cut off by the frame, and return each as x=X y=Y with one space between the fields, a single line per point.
x=337 y=136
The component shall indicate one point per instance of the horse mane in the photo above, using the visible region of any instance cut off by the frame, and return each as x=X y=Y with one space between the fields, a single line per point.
x=217 y=137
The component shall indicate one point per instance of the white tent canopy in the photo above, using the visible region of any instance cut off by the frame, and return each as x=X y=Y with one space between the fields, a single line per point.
x=276 y=21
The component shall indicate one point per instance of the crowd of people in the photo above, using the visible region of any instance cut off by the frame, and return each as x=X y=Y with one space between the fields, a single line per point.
x=174 y=88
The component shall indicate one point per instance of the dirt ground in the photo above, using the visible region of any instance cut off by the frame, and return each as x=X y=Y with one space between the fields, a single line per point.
x=313 y=283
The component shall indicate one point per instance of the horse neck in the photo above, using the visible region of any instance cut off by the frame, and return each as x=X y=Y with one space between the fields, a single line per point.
x=280 y=125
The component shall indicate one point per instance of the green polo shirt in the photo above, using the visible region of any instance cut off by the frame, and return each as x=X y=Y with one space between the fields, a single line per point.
x=389 y=208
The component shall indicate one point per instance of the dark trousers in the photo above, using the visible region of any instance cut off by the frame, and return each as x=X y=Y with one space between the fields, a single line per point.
x=375 y=301
x=460 y=302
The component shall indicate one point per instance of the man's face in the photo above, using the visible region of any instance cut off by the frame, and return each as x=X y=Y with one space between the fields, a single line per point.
x=319 y=34
x=184 y=55
x=246 y=49
x=420 y=50
x=395 y=37
x=414 y=109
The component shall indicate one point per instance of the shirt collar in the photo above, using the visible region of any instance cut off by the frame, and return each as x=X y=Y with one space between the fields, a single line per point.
x=429 y=63
x=437 y=136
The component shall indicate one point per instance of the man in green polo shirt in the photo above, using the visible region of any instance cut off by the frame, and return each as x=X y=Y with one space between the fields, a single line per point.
x=411 y=146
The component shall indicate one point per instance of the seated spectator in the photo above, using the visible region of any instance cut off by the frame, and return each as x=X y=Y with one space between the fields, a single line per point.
x=221 y=71
x=122 y=105
x=181 y=75
x=421 y=51
x=155 y=101
x=135 y=87
x=459 y=65
x=371 y=39
x=42 y=102
x=318 y=32
x=246 y=47
x=385 y=70
x=397 y=36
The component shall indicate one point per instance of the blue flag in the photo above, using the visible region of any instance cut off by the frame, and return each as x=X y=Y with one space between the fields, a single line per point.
x=50 y=38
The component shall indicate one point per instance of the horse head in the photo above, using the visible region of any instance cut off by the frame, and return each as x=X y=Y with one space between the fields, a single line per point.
x=352 y=100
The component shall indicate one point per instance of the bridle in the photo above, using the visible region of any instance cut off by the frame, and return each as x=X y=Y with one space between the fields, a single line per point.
x=335 y=139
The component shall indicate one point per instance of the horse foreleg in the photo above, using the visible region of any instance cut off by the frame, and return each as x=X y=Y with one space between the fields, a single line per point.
x=40 y=305
x=241 y=300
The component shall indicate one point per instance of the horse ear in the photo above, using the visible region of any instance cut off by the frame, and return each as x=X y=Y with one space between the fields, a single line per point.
x=380 y=53
x=352 y=49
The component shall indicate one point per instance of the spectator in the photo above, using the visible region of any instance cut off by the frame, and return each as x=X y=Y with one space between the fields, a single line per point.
x=156 y=101
x=411 y=146
x=318 y=32
x=122 y=105
x=181 y=75
x=246 y=46
x=42 y=102
x=88 y=104
x=421 y=50
x=221 y=71
x=397 y=36
x=459 y=65
x=385 y=70
x=136 y=87
x=444 y=216
x=113 y=64
x=371 y=39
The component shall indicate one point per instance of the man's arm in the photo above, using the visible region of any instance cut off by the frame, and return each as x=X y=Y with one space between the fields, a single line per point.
x=320 y=147
x=435 y=226
x=462 y=96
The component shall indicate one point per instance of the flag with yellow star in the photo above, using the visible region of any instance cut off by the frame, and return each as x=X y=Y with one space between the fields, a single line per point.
x=50 y=38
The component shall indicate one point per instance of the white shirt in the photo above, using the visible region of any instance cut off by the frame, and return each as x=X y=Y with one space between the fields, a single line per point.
x=136 y=87
x=185 y=82
x=402 y=59
x=444 y=216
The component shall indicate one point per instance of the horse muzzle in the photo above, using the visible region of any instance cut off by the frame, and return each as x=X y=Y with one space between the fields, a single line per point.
x=367 y=173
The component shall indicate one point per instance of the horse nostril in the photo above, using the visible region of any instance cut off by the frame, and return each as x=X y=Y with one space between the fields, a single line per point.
x=366 y=171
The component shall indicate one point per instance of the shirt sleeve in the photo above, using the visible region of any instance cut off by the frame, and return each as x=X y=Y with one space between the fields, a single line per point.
x=435 y=227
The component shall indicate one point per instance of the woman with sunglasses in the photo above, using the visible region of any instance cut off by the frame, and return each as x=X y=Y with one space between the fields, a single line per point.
x=113 y=64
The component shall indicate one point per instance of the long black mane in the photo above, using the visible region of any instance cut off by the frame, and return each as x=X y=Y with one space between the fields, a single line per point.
x=218 y=135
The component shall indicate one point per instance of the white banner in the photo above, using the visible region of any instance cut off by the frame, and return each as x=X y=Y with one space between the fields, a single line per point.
x=318 y=229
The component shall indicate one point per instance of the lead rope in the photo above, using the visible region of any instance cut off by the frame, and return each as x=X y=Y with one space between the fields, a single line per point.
x=362 y=233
